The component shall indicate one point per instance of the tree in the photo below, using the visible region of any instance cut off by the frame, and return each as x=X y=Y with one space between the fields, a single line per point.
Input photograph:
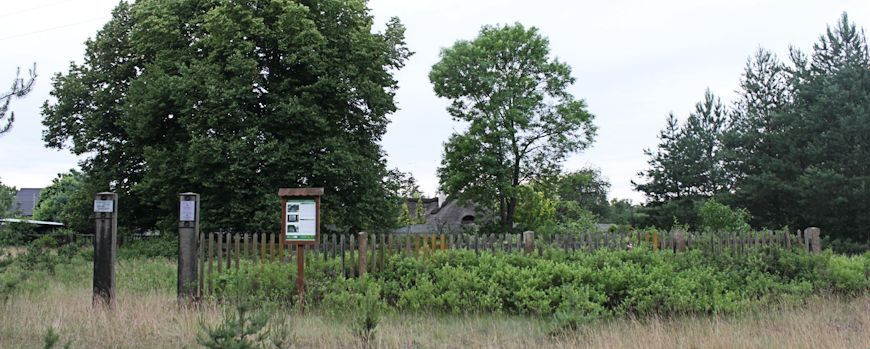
x=66 y=201
x=716 y=217
x=522 y=121
x=7 y=199
x=587 y=188
x=688 y=166
x=19 y=89
x=233 y=100
x=801 y=153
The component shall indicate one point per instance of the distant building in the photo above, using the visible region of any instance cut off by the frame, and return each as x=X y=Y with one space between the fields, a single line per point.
x=442 y=215
x=25 y=201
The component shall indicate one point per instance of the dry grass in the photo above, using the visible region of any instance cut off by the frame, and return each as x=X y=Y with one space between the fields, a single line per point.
x=152 y=320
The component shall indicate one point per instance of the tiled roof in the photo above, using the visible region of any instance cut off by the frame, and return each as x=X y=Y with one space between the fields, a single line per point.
x=25 y=201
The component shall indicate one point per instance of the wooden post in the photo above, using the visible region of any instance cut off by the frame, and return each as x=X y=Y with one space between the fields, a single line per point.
x=679 y=241
x=813 y=235
x=105 y=247
x=529 y=240
x=341 y=250
x=363 y=244
x=188 y=232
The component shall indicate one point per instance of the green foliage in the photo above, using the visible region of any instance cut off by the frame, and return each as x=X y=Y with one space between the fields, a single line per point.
x=62 y=200
x=719 y=218
x=15 y=233
x=244 y=327
x=534 y=209
x=51 y=338
x=288 y=93
x=687 y=166
x=165 y=246
x=587 y=188
x=7 y=197
x=522 y=120
x=792 y=149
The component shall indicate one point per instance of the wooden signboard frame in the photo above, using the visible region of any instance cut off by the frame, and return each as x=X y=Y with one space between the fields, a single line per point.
x=300 y=194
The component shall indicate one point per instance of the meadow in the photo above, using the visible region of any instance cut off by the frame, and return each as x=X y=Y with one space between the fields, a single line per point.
x=829 y=308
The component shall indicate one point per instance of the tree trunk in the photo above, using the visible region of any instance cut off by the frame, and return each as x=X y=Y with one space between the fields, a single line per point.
x=509 y=218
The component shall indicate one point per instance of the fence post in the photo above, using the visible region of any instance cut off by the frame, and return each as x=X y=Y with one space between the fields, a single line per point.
x=679 y=241
x=529 y=240
x=813 y=234
x=105 y=247
x=363 y=242
x=188 y=232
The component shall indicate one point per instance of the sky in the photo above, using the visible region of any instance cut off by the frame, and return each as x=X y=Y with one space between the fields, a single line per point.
x=634 y=63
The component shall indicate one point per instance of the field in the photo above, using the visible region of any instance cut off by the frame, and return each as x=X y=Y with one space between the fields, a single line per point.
x=147 y=316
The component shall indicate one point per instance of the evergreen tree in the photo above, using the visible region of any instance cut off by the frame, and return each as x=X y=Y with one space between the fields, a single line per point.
x=688 y=166
x=19 y=89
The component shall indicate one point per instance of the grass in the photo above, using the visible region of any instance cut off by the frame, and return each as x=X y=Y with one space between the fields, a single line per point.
x=146 y=315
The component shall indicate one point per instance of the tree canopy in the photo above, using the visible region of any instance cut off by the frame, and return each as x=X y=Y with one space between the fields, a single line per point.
x=522 y=121
x=233 y=100
x=793 y=149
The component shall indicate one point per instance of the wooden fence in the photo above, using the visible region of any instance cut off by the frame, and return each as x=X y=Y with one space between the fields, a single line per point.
x=364 y=253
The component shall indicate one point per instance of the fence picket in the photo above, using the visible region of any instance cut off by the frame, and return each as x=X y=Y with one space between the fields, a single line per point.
x=236 y=248
x=201 y=263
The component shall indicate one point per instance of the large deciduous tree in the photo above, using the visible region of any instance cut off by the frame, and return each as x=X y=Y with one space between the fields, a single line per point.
x=522 y=121
x=233 y=99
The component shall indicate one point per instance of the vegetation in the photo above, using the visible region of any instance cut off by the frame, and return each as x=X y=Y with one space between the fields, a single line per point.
x=603 y=284
x=580 y=299
x=287 y=93
x=791 y=151
x=7 y=198
x=62 y=202
x=522 y=120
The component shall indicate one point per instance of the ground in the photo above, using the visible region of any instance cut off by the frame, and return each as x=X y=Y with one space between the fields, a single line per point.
x=147 y=315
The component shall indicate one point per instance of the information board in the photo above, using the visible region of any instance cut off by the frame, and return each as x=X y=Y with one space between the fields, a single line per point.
x=301 y=220
x=187 y=211
x=104 y=206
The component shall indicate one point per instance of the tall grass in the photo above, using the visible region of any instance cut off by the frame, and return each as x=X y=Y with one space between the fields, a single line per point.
x=146 y=315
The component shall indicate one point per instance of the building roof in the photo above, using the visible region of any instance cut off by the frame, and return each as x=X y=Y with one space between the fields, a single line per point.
x=25 y=201
x=441 y=216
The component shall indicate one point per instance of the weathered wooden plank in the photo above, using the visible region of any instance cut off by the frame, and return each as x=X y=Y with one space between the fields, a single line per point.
x=210 y=261
x=236 y=243
x=341 y=250
x=201 y=263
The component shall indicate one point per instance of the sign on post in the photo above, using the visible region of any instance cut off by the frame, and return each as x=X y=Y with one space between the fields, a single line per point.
x=105 y=247
x=188 y=232
x=300 y=218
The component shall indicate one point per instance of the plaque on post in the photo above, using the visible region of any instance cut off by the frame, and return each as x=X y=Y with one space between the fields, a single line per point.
x=300 y=218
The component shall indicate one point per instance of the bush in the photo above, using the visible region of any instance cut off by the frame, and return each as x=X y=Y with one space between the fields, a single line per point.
x=719 y=218
x=15 y=233
x=575 y=285
x=165 y=246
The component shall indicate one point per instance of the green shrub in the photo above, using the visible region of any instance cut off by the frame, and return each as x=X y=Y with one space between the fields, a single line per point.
x=719 y=218
x=579 y=285
x=245 y=327
x=15 y=233
x=165 y=246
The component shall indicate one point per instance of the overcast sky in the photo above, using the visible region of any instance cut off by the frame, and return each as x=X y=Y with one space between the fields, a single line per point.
x=634 y=61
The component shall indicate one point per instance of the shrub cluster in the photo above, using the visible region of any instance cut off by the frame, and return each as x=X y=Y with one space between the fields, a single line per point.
x=604 y=283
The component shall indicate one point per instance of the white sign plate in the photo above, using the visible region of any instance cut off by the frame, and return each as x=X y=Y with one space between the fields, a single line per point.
x=301 y=218
x=104 y=206
x=187 y=211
